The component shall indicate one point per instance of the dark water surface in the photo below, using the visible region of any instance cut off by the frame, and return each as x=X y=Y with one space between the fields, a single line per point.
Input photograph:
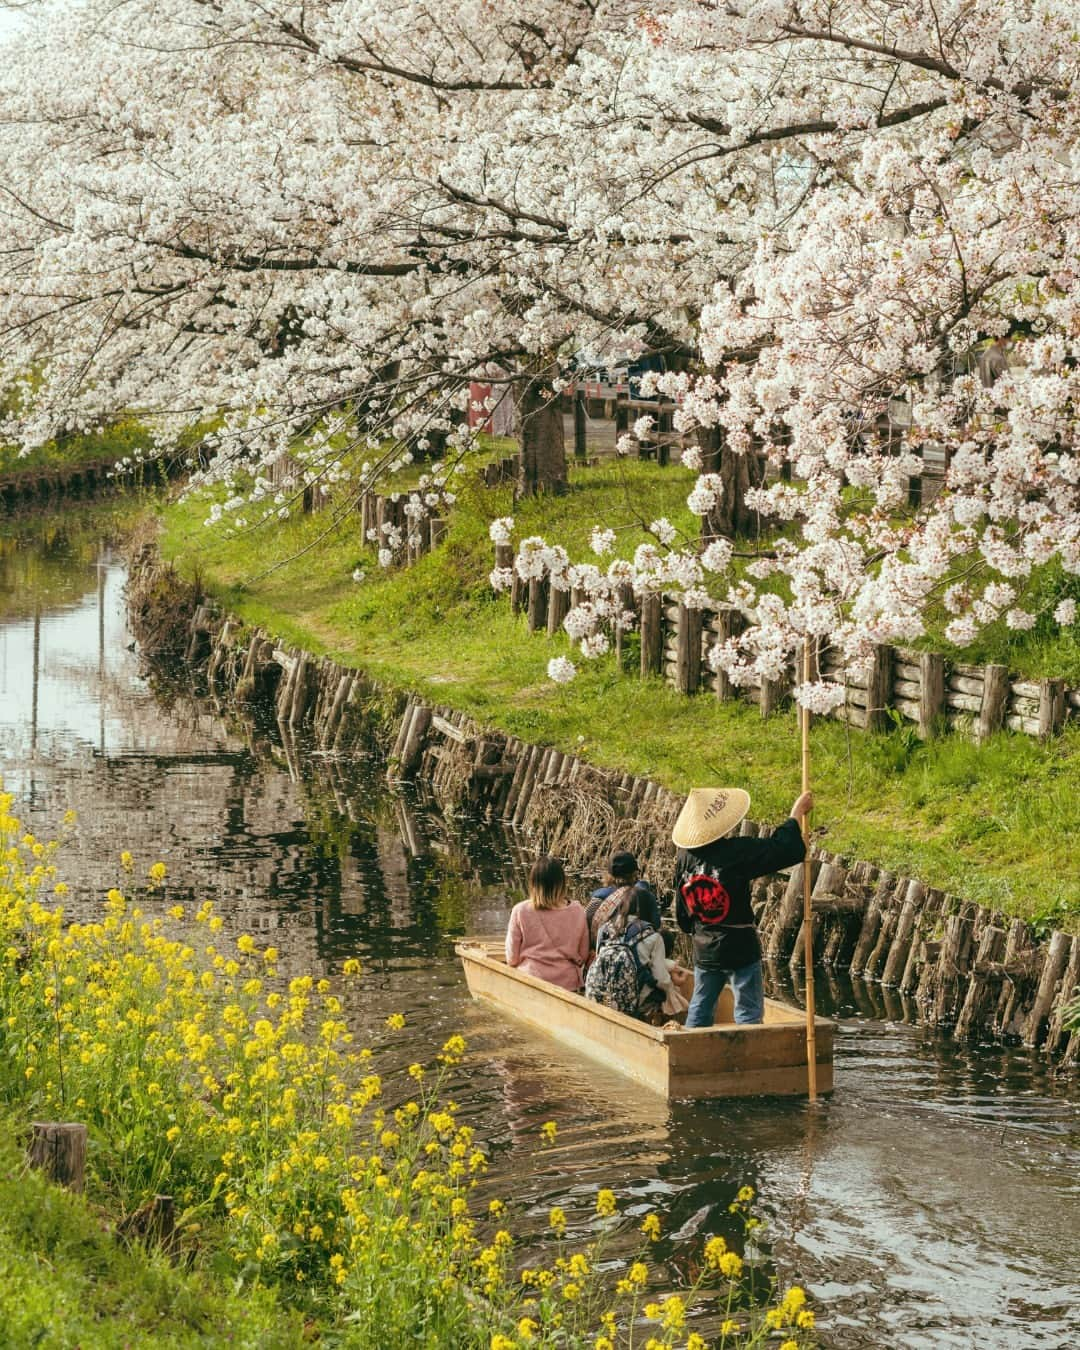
x=932 y=1201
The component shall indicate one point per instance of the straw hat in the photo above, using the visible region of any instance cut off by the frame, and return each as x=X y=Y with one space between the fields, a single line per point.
x=708 y=814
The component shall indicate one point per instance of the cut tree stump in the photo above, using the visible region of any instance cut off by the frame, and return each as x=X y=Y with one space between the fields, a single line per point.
x=60 y=1152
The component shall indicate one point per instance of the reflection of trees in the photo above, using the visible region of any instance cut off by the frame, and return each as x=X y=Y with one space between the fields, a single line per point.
x=49 y=558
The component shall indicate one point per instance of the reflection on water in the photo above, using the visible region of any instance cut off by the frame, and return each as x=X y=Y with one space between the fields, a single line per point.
x=930 y=1202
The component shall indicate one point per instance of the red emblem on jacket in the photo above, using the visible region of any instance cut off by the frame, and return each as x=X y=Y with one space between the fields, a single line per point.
x=706 y=899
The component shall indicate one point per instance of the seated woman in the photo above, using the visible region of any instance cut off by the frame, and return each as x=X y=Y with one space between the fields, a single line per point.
x=547 y=935
x=622 y=870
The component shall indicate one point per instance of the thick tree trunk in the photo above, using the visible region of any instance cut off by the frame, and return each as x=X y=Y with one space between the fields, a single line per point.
x=731 y=518
x=540 y=422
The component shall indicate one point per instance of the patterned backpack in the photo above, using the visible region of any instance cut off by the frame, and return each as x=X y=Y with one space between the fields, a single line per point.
x=613 y=977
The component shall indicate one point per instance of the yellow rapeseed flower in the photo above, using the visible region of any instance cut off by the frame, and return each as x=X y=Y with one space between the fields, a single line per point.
x=730 y=1265
x=548 y=1131
x=695 y=1342
x=557 y=1220
x=157 y=873
x=674 y=1313
x=804 y=1320
x=652 y=1311
x=396 y=1021
x=605 y=1203
x=527 y=1329
x=650 y=1226
x=745 y=1195
x=351 y=966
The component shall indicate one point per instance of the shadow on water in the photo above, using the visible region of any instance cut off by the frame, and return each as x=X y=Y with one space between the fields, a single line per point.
x=930 y=1202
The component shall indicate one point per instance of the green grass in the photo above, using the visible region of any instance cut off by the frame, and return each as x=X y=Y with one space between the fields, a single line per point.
x=991 y=824
x=125 y=438
x=66 y=1280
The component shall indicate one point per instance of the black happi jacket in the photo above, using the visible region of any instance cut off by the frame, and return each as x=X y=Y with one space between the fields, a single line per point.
x=712 y=893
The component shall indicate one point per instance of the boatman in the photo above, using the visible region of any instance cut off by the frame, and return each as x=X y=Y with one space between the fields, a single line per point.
x=712 y=895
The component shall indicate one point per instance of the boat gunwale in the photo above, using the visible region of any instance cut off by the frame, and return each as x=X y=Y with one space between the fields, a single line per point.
x=475 y=949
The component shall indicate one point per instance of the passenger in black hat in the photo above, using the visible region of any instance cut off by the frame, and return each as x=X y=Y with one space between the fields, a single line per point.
x=622 y=871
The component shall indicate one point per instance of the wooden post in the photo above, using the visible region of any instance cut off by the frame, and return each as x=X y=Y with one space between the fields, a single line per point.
x=536 y=615
x=664 y=429
x=725 y=629
x=1051 y=707
x=622 y=415
x=414 y=741
x=519 y=592
x=915 y=482
x=558 y=608
x=504 y=556
x=808 y=918
x=60 y=1152
x=931 y=692
x=652 y=633
x=879 y=688
x=580 y=448
x=896 y=961
x=772 y=691
x=436 y=531
x=688 y=650
x=1053 y=968
x=995 y=699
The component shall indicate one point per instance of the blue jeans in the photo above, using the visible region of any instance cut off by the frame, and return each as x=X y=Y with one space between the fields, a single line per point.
x=709 y=985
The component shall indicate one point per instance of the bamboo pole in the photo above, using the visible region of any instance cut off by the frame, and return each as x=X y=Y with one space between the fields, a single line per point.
x=808 y=920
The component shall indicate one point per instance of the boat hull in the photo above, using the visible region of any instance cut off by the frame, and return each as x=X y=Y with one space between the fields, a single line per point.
x=724 y=1060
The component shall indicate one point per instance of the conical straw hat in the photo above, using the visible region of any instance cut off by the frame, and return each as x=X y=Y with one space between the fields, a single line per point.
x=708 y=814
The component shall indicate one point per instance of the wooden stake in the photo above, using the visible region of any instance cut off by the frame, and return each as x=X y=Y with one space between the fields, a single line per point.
x=808 y=920
x=60 y=1152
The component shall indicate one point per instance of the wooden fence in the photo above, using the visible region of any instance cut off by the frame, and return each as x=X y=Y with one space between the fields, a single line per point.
x=923 y=688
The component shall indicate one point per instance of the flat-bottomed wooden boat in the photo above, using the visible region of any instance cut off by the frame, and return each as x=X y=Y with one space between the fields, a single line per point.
x=723 y=1060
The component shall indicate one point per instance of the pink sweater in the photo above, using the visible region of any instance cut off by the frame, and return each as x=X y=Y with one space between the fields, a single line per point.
x=551 y=944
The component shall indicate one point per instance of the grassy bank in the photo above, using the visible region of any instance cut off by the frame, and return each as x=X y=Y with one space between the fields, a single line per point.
x=125 y=439
x=990 y=823
x=67 y=1280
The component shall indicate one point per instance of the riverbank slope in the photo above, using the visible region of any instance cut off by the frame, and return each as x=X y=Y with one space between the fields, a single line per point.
x=987 y=822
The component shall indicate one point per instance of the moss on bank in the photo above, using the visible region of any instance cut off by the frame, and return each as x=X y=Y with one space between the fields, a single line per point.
x=991 y=823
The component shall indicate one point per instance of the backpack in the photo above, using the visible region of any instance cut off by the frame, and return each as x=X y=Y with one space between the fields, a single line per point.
x=617 y=977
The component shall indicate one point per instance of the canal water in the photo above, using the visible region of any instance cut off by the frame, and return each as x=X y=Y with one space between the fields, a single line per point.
x=932 y=1201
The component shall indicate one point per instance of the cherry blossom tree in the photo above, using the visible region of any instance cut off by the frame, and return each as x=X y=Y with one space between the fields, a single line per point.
x=309 y=225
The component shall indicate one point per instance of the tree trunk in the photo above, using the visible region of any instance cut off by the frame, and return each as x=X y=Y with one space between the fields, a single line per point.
x=540 y=422
x=730 y=518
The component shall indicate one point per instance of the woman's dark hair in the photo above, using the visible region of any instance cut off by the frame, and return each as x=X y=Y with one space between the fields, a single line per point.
x=547 y=883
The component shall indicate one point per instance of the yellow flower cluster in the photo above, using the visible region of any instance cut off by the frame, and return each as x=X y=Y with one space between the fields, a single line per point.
x=253 y=1107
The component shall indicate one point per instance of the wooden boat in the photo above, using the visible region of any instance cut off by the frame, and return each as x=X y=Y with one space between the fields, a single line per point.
x=723 y=1060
